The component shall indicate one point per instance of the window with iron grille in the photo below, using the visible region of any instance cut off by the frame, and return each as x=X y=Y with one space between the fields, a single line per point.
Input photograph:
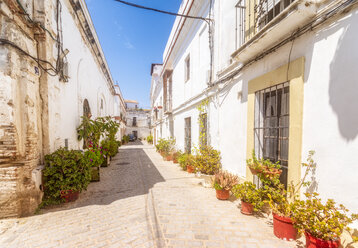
x=187 y=131
x=187 y=68
x=266 y=10
x=272 y=126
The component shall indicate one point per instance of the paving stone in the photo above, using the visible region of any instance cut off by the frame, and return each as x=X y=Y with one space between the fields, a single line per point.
x=142 y=201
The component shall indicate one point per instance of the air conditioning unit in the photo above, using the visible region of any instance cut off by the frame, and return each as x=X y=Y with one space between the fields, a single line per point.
x=65 y=73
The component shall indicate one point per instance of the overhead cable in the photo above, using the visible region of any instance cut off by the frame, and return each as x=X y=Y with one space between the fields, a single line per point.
x=163 y=11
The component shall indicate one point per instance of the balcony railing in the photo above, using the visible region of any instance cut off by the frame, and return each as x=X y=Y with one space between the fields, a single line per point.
x=251 y=17
x=267 y=10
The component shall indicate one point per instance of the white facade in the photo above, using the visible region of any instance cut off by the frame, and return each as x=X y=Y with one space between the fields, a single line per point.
x=329 y=104
x=156 y=101
x=138 y=122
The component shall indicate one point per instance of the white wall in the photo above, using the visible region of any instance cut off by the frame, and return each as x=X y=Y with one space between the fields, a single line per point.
x=86 y=81
x=330 y=121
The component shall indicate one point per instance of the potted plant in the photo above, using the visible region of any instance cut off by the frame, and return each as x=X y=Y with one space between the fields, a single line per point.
x=250 y=197
x=66 y=174
x=190 y=168
x=281 y=200
x=207 y=160
x=223 y=182
x=94 y=158
x=186 y=162
x=182 y=160
x=322 y=224
x=176 y=155
x=105 y=151
x=263 y=166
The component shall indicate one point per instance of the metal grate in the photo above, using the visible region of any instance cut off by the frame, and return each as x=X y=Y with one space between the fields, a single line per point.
x=240 y=24
x=266 y=10
x=188 y=135
x=272 y=125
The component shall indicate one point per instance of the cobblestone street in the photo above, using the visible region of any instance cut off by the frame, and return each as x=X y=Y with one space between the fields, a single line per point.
x=142 y=201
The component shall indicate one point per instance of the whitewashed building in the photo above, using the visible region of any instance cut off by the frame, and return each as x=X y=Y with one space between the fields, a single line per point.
x=280 y=77
x=137 y=120
x=156 y=102
x=52 y=71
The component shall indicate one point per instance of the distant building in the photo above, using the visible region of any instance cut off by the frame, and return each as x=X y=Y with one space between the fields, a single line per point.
x=137 y=119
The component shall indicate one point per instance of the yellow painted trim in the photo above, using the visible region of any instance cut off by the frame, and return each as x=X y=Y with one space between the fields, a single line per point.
x=295 y=76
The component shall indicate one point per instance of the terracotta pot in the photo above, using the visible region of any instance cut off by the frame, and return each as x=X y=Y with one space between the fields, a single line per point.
x=313 y=242
x=169 y=158
x=222 y=194
x=247 y=208
x=69 y=195
x=270 y=173
x=283 y=227
x=190 y=169
x=175 y=161
x=255 y=171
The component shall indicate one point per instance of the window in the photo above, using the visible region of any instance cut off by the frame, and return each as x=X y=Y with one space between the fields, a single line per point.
x=187 y=68
x=272 y=126
x=86 y=109
x=187 y=131
x=134 y=121
x=203 y=128
x=269 y=9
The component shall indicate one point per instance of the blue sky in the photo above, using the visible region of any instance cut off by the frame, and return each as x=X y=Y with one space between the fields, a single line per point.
x=132 y=39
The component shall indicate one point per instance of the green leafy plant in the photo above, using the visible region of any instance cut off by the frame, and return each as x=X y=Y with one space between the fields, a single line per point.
x=93 y=157
x=106 y=147
x=176 y=155
x=207 y=160
x=185 y=159
x=165 y=146
x=89 y=131
x=247 y=192
x=281 y=200
x=202 y=108
x=224 y=180
x=264 y=167
x=325 y=221
x=64 y=170
x=125 y=139
x=150 y=139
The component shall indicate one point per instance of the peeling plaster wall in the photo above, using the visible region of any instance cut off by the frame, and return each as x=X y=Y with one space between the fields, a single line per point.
x=19 y=119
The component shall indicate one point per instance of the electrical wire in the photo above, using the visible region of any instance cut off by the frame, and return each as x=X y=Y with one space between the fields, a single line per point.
x=37 y=60
x=32 y=21
x=163 y=11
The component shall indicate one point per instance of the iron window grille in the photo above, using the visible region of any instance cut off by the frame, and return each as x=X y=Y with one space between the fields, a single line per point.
x=267 y=10
x=272 y=126
x=187 y=130
x=187 y=68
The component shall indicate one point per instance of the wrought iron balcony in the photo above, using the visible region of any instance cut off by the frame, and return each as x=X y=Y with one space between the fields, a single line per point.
x=267 y=10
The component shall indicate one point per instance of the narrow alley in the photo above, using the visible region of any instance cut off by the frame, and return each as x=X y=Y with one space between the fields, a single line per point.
x=141 y=201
